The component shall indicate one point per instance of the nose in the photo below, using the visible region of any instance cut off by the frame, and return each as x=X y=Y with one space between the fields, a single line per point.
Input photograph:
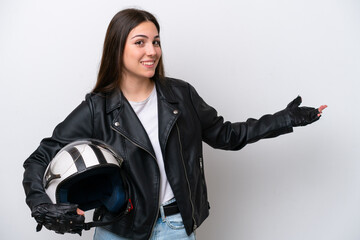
x=150 y=50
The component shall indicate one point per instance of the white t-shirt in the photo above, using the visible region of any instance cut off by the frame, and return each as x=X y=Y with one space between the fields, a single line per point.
x=147 y=112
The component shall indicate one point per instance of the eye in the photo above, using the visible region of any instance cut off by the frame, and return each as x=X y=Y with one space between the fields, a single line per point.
x=156 y=43
x=139 y=43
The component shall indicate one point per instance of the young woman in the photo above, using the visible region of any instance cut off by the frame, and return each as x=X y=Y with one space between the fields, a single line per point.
x=157 y=124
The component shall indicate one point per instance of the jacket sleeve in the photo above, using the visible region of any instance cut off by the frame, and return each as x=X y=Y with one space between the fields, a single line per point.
x=78 y=125
x=233 y=136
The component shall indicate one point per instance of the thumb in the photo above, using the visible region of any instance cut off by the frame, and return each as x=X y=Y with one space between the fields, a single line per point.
x=80 y=212
x=295 y=103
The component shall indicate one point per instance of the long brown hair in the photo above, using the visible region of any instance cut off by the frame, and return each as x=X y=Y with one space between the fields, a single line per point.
x=111 y=66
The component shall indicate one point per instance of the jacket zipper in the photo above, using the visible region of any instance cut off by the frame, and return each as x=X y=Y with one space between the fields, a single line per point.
x=187 y=179
x=201 y=165
x=158 y=207
x=202 y=169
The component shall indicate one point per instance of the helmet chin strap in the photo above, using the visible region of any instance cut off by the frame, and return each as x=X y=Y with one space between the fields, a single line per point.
x=99 y=213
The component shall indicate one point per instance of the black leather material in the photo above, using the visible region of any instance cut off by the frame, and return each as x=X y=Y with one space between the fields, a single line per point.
x=61 y=218
x=185 y=121
x=301 y=116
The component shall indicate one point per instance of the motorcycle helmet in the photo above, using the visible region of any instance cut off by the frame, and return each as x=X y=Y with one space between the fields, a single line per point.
x=88 y=173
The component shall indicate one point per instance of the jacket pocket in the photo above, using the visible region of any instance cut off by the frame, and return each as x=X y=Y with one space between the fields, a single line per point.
x=175 y=222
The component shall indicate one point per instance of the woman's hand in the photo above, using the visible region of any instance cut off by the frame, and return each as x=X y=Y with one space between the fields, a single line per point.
x=302 y=116
x=61 y=218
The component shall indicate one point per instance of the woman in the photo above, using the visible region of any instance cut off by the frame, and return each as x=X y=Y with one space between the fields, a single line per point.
x=157 y=124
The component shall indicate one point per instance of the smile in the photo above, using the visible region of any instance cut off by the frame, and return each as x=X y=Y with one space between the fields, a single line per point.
x=148 y=63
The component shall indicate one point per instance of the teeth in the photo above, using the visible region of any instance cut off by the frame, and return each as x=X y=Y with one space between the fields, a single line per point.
x=148 y=63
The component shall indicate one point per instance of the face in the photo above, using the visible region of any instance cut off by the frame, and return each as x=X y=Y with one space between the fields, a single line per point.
x=142 y=52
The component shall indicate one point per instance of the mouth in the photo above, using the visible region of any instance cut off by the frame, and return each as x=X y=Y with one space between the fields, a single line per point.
x=148 y=63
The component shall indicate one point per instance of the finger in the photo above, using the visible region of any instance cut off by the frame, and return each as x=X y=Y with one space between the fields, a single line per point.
x=80 y=212
x=295 y=103
x=321 y=108
x=66 y=207
x=39 y=227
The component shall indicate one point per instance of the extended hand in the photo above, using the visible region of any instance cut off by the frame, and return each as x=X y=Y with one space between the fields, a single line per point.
x=301 y=116
x=60 y=218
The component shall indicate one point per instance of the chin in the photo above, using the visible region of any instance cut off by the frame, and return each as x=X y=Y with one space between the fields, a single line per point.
x=149 y=75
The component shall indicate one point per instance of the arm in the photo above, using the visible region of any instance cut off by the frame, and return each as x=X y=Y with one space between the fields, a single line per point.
x=234 y=136
x=77 y=125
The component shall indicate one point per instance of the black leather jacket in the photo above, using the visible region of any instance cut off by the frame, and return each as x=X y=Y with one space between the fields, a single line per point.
x=185 y=120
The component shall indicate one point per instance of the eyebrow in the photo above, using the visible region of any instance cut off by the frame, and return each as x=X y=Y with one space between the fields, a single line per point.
x=144 y=36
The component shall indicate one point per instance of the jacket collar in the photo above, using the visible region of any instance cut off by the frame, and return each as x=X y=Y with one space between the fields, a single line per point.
x=127 y=123
x=114 y=100
x=164 y=91
x=168 y=111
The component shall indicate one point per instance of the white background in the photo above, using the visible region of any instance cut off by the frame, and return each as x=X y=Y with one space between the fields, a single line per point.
x=245 y=58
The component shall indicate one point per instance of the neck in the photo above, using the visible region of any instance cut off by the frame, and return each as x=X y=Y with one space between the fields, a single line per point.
x=136 y=90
